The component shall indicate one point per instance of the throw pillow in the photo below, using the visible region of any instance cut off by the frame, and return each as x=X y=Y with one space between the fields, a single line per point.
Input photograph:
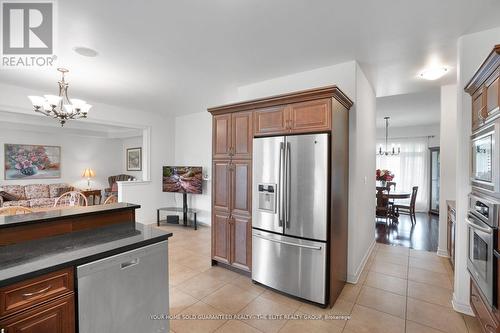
x=114 y=188
x=7 y=196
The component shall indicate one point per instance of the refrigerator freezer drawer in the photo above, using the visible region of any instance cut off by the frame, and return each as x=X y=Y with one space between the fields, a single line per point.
x=294 y=266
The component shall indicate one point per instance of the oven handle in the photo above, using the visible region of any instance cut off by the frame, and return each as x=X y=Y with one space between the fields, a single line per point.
x=475 y=226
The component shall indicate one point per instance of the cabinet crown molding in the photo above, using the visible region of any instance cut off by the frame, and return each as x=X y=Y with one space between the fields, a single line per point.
x=298 y=96
x=484 y=72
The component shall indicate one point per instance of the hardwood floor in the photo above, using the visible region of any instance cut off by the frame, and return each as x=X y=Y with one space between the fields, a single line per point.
x=423 y=235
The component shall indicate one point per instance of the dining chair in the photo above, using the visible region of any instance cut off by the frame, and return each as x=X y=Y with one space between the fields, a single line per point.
x=383 y=210
x=15 y=210
x=111 y=199
x=409 y=209
x=391 y=186
x=72 y=198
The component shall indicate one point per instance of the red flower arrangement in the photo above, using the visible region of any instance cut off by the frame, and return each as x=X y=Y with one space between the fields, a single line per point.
x=384 y=175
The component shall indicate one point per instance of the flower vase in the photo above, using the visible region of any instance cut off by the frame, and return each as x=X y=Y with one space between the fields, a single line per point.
x=29 y=171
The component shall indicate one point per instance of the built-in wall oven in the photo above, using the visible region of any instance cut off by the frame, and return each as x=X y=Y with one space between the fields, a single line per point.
x=482 y=222
x=485 y=176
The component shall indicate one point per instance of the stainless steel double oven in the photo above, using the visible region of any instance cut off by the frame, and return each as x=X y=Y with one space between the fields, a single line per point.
x=482 y=222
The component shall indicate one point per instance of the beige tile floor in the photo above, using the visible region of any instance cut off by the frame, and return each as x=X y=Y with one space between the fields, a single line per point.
x=400 y=290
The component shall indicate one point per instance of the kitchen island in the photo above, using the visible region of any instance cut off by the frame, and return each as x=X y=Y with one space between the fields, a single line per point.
x=45 y=278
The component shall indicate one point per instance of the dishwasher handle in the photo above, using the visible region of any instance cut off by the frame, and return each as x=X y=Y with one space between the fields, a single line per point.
x=130 y=263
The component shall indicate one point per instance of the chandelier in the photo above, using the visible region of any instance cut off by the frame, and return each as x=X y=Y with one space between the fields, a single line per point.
x=60 y=106
x=388 y=152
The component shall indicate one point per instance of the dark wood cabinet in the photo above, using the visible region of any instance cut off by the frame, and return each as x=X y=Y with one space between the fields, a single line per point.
x=221 y=237
x=232 y=136
x=487 y=320
x=234 y=127
x=44 y=304
x=484 y=89
x=231 y=191
x=304 y=117
x=310 y=116
x=221 y=146
x=270 y=121
x=241 y=143
x=57 y=316
x=241 y=247
x=221 y=191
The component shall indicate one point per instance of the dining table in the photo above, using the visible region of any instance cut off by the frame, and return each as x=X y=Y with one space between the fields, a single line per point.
x=383 y=208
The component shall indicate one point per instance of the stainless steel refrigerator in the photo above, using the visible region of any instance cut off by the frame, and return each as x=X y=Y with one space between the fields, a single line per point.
x=290 y=214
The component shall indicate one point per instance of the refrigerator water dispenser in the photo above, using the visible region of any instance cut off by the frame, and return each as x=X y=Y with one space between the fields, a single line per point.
x=267 y=198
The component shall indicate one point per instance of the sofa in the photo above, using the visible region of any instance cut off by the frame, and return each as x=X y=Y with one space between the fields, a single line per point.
x=33 y=195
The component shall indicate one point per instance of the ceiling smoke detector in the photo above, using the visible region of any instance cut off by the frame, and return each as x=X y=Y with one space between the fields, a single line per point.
x=85 y=51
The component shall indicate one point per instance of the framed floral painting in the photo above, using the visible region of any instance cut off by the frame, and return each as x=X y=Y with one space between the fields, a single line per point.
x=32 y=161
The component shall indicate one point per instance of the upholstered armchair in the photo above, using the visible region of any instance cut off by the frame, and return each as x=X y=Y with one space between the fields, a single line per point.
x=113 y=186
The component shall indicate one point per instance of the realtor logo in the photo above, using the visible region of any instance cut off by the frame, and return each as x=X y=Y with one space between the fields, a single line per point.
x=27 y=34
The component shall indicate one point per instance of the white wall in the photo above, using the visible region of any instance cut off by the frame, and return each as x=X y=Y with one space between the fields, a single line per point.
x=351 y=80
x=472 y=50
x=134 y=142
x=412 y=132
x=193 y=146
x=448 y=143
x=77 y=153
x=160 y=143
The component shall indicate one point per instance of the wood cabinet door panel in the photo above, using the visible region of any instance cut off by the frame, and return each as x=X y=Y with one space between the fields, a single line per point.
x=492 y=97
x=28 y=293
x=311 y=116
x=242 y=135
x=221 y=136
x=220 y=237
x=54 y=317
x=477 y=107
x=270 y=121
x=481 y=309
x=241 y=256
x=221 y=185
x=242 y=188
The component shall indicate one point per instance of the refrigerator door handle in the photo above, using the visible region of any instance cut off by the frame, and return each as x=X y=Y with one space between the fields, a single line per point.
x=281 y=184
x=288 y=243
x=287 y=186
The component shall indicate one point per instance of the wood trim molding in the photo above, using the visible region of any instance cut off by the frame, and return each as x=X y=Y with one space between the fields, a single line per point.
x=487 y=68
x=294 y=97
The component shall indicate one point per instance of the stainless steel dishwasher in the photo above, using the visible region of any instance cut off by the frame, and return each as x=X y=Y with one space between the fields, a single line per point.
x=122 y=293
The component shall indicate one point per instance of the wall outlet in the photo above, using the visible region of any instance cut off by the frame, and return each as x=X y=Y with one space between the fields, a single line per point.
x=366 y=180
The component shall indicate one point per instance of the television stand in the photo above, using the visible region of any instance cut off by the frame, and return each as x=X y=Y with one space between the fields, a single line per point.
x=184 y=210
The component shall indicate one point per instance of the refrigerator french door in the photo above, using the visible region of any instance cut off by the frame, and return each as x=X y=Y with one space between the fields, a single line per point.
x=290 y=214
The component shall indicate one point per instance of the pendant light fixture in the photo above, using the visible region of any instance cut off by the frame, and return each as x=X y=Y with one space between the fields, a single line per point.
x=392 y=151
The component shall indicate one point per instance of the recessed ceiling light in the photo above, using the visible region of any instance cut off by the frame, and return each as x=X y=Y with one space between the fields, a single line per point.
x=85 y=51
x=433 y=73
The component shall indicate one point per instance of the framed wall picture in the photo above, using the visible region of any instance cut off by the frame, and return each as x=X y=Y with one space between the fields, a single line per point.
x=134 y=159
x=31 y=161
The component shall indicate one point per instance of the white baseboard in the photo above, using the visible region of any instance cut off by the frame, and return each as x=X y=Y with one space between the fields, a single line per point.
x=353 y=278
x=462 y=307
x=443 y=253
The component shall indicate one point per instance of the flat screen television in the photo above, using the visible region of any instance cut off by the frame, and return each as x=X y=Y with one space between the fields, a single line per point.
x=182 y=179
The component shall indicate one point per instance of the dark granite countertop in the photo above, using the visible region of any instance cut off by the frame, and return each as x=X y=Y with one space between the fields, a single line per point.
x=52 y=215
x=32 y=258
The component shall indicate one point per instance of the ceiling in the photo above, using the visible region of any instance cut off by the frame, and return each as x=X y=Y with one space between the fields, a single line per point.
x=180 y=57
x=35 y=123
x=416 y=109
